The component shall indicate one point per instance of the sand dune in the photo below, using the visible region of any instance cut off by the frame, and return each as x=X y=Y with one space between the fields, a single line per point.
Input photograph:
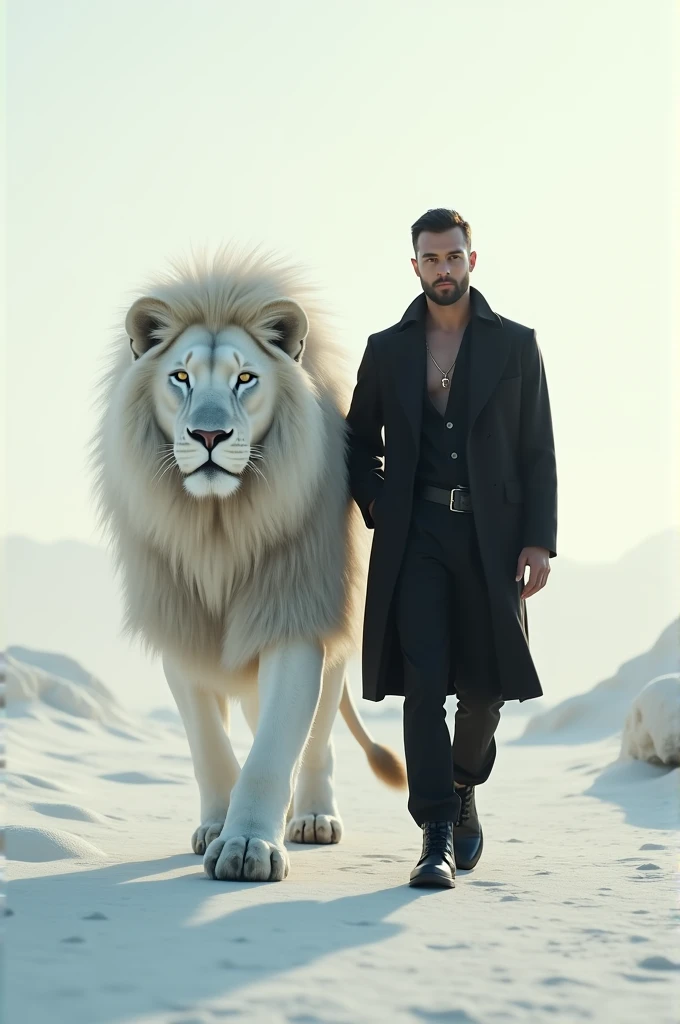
x=602 y=711
x=45 y=844
x=41 y=678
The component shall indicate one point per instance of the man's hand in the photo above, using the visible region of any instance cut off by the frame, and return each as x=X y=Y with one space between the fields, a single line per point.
x=538 y=560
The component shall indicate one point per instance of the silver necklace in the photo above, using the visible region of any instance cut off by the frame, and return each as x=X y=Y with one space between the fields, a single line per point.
x=446 y=377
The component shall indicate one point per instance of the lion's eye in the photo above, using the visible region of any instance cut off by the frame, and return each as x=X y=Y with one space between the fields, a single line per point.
x=181 y=375
x=245 y=378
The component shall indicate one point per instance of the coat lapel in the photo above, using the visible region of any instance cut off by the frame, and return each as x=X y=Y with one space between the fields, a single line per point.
x=488 y=356
x=409 y=370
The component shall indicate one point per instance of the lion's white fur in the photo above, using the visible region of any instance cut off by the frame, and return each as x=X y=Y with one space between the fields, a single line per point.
x=254 y=590
x=194 y=572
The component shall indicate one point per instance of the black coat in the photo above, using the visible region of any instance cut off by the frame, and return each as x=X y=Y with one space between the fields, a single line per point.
x=512 y=476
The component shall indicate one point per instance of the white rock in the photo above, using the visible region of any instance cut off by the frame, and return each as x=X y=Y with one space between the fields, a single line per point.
x=652 y=728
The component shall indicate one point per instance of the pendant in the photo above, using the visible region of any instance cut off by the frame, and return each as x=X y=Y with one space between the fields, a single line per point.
x=445 y=382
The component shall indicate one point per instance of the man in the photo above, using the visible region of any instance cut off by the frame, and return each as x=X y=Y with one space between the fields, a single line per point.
x=462 y=494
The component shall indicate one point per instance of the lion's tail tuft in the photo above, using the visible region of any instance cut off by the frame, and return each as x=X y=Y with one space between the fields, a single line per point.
x=388 y=767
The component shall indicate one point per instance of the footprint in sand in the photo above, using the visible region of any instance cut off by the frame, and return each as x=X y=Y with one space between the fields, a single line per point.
x=454 y=945
x=561 y=980
x=640 y=979
x=139 y=779
x=381 y=856
x=658 y=963
x=444 y=1016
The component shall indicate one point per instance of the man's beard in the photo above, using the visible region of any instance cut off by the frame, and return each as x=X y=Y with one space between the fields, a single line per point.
x=451 y=295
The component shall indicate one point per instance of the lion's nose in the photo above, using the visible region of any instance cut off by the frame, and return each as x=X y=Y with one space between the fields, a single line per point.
x=210 y=438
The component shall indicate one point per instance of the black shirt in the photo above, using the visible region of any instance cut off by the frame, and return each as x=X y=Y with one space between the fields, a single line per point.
x=443 y=439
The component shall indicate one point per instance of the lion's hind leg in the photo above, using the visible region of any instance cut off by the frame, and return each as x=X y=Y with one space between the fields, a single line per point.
x=206 y=721
x=315 y=817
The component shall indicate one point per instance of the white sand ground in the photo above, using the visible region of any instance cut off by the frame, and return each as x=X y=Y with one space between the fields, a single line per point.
x=568 y=917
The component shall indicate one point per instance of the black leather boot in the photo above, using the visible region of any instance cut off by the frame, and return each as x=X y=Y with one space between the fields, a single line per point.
x=468 y=840
x=436 y=867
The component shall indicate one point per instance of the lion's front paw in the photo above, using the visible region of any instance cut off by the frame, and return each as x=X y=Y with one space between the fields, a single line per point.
x=243 y=859
x=314 y=828
x=204 y=835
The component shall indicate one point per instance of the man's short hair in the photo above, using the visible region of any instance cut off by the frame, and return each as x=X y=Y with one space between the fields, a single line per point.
x=440 y=220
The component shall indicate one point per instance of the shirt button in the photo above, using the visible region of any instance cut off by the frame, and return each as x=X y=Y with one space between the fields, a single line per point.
x=449 y=425
x=454 y=455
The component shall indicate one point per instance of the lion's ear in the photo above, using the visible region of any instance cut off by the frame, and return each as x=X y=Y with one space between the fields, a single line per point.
x=145 y=320
x=287 y=325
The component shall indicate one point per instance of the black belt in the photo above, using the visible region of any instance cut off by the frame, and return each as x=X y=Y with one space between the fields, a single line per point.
x=458 y=498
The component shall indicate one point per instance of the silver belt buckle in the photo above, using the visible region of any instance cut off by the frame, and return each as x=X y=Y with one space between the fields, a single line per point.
x=453 y=499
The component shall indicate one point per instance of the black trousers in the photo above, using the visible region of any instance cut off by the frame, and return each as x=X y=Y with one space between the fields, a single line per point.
x=444 y=623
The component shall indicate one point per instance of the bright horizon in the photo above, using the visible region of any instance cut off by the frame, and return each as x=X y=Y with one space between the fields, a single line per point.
x=135 y=134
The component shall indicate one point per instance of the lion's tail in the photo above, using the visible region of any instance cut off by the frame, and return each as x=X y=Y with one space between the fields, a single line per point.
x=385 y=763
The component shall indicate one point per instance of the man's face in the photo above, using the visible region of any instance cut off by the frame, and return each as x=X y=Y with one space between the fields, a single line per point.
x=443 y=265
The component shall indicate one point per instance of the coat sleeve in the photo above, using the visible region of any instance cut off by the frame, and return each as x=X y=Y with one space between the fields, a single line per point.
x=364 y=437
x=537 y=453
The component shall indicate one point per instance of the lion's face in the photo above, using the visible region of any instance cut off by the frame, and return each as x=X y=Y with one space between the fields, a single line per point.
x=215 y=397
x=215 y=392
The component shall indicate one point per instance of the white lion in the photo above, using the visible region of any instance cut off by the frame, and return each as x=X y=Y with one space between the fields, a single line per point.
x=220 y=467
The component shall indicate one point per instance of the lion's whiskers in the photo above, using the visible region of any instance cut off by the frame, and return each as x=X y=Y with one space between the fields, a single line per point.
x=258 y=471
x=166 y=464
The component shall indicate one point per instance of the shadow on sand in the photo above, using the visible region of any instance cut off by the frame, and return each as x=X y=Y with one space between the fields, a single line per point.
x=170 y=944
x=647 y=793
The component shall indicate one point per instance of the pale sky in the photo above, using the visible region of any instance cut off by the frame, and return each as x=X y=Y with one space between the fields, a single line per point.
x=139 y=128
